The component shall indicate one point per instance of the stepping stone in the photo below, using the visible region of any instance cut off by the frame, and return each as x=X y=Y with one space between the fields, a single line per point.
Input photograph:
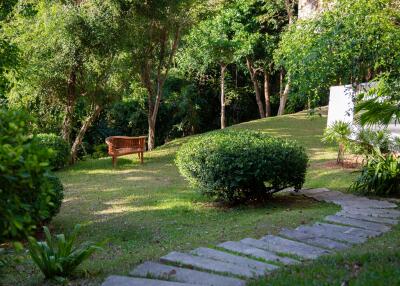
x=351 y=230
x=210 y=264
x=130 y=281
x=387 y=213
x=313 y=191
x=313 y=240
x=369 y=218
x=365 y=204
x=247 y=248
x=234 y=259
x=358 y=223
x=319 y=231
x=167 y=272
x=283 y=245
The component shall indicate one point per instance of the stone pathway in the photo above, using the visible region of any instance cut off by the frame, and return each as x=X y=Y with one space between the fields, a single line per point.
x=233 y=263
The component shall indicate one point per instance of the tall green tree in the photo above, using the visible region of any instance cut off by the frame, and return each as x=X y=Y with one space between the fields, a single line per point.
x=71 y=54
x=211 y=43
x=349 y=43
x=257 y=26
x=154 y=29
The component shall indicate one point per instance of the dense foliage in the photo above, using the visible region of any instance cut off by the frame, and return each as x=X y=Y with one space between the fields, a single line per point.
x=58 y=256
x=349 y=43
x=56 y=195
x=379 y=176
x=26 y=193
x=59 y=149
x=242 y=165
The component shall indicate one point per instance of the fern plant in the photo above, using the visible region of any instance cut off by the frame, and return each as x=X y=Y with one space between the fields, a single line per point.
x=57 y=256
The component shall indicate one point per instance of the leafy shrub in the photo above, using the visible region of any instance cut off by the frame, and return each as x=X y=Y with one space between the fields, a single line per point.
x=59 y=147
x=236 y=166
x=368 y=139
x=24 y=187
x=100 y=151
x=380 y=175
x=56 y=195
x=58 y=257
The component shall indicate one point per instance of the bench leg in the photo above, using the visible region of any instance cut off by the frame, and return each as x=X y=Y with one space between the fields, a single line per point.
x=114 y=161
x=141 y=158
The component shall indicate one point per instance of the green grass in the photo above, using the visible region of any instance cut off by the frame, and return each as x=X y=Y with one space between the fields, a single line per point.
x=149 y=210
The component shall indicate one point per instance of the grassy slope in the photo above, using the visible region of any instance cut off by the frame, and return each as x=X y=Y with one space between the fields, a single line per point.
x=147 y=211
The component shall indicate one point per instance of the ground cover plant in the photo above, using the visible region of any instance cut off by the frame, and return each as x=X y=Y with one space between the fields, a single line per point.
x=236 y=166
x=149 y=210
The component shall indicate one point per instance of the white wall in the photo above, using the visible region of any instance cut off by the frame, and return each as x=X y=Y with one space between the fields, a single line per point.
x=341 y=107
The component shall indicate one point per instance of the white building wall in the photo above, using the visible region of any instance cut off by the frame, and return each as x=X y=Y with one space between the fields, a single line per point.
x=341 y=107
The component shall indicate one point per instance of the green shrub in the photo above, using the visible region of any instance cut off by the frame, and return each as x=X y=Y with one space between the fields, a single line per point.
x=236 y=166
x=57 y=256
x=59 y=148
x=56 y=195
x=25 y=191
x=379 y=176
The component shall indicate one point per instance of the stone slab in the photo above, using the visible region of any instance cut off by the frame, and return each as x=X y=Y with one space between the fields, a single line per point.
x=283 y=245
x=351 y=230
x=247 y=248
x=387 y=213
x=115 y=280
x=358 y=223
x=314 y=240
x=369 y=218
x=178 y=274
x=210 y=264
x=313 y=191
x=318 y=231
x=234 y=259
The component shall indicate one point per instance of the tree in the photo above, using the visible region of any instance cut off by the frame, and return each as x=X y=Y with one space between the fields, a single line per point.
x=8 y=52
x=154 y=31
x=257 y=26
x=338 y=46
x=210 y=42
x=71 y=54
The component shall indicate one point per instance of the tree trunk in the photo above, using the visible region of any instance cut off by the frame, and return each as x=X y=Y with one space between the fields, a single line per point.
x=85 y=126
x=267 y=94
x=283 y=93
x=151 y=136
x=253 y=77
x=283 y=100
x=223 y=119
x=70 y=107
x=155 y=87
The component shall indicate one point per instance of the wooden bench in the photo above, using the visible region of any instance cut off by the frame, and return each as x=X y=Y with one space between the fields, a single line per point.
x=124 y=145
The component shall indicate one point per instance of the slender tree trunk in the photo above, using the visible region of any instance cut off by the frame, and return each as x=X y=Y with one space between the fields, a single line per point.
x=283 y=93
x=253 y=77
x=223 y=119
x=267 y=94
x=85 y=126
x=283 y=100
x=69 y=108
x=152 y=132
x=155 y=87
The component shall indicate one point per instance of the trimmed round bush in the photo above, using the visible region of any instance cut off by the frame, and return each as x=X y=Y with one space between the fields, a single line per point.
x=25 y=191
x=56 y=194
x=59 y=149
x=240 y=165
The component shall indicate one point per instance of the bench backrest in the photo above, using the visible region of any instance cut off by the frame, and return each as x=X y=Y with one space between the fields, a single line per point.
x=122 y=142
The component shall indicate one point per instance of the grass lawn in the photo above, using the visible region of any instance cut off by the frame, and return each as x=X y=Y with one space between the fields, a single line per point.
x=149 y=210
